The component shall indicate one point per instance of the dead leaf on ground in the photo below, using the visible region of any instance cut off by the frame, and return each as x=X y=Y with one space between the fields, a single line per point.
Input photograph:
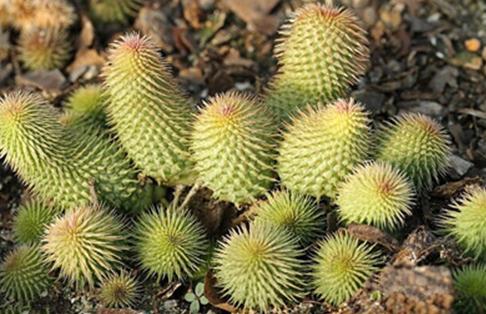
x=373 y=235
x=153 y=21
x=87 y=35
x=256 y=14
x=211 y=294
x=87 y=64
x=451 y=189
x=416 y=247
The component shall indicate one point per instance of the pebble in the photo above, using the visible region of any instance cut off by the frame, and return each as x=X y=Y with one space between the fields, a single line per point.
x=359 y=4
x=472 y=45
x=461 y=166
x=483 y=54
x=369 y=16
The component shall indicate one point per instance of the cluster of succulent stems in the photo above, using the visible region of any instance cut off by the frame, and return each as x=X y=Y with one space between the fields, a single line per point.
x=119 y=147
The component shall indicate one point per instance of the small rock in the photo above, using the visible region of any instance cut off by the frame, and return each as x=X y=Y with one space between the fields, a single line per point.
x=359 y=4
x=50 y=82
x=472 y=45
x=153 y=21
x=5 y=71
x=369 y=16
x=461 y=166
x=483 y=54
x=372 y=100
x=430 y=108
x=446 y=76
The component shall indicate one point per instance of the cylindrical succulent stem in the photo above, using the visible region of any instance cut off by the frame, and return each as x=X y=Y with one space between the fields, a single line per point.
x=61 y=164
x=376 y=194
x=466 y=222
x=149 y=114
x=322 y=51
x=113 y=11
x=321 y=146
x=44 y=48
x=86 y=244
x=233 y=145
x=24 y=274
x=341 y=266
x=260 y=268
x=170 y=243
x=417 y=145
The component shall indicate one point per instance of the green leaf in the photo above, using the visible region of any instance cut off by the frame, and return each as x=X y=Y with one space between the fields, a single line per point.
x=194 y=308
x=203 y=300
x=199 y=289
x=190 y=297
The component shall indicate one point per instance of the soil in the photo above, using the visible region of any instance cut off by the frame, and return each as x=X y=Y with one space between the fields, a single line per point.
x=427 y=56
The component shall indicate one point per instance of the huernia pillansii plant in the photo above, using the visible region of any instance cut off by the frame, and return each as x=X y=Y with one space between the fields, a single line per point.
x=170 y=244
x=233 y=145
x=24 y=274
x=322 y=51
x=61 y=165
x=375 y=194
x=31 y=221
x=259 y=267
x=84 y=109
x=119 y=290
x=470 y=286
x=149 y=114
x=465 y=221
x=341 y=266
x=294 y=212
x=322 y=145
x=85 y=244
x=41 y=13
x=113 y=11
x=44 y=48
x=417 y=145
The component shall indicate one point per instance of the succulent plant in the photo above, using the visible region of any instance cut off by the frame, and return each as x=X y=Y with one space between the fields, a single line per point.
x=341 y=267
x=322 y=51
x=24 y=274
x=41 y=13
x=466 y=222
x=170 y=244
x=119 y=290
x=296 y=213
x=31 y=221
x=84 y=109
x=44 y=49
x=322 y=146
x=233 y=142
x=114 y=11
x=259 y=267
x=417 y=145
x=375 y=194
x=470 y=287
x=86 y=244
x=61 y=165
x=149 y=115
